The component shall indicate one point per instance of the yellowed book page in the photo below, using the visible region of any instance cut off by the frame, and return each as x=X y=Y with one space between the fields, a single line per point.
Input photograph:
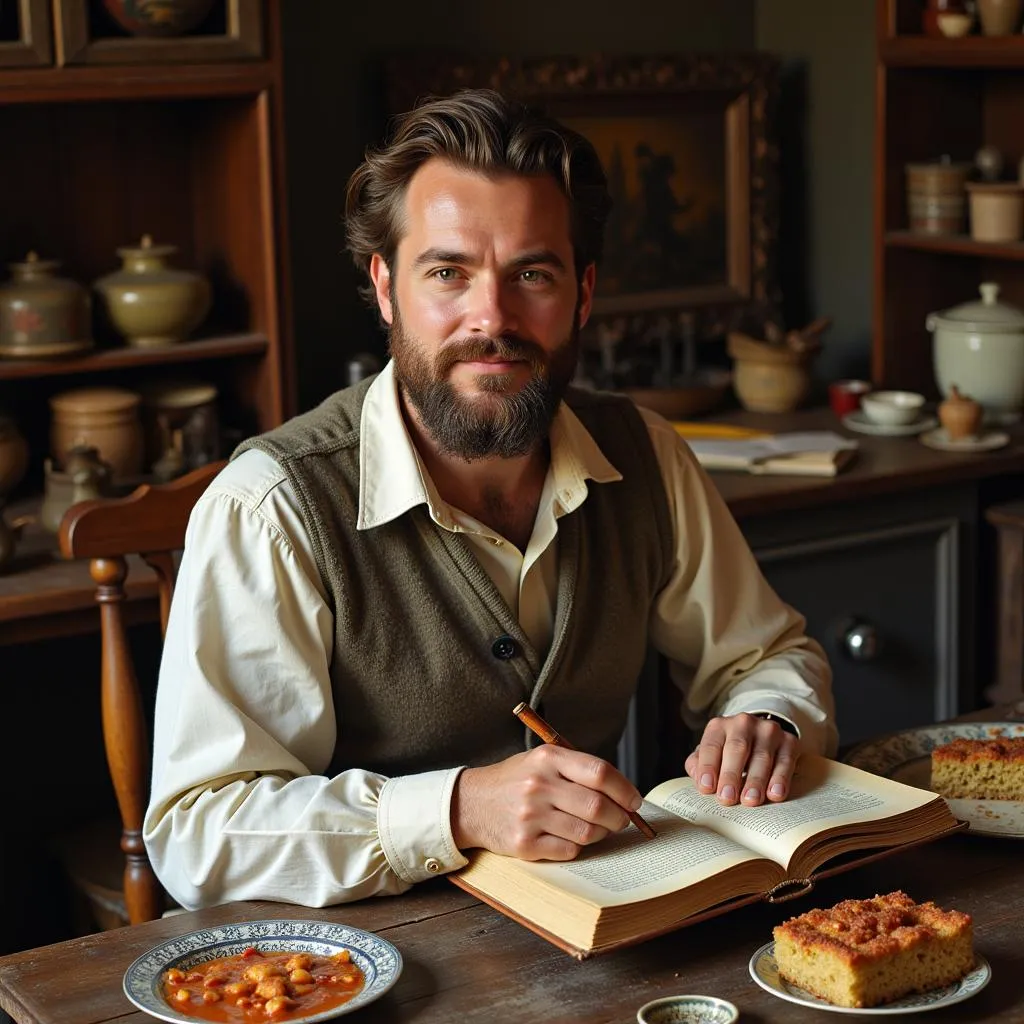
x=826 y=795
x=626 y=867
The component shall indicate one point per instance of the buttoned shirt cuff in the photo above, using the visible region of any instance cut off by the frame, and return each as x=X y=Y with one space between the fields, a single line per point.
x=781 y=710
x=414 y=825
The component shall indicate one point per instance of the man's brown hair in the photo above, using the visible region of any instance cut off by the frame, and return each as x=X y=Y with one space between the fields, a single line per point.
x=479 y=130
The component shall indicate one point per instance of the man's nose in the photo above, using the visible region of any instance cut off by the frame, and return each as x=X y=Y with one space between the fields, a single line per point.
x=491 y=309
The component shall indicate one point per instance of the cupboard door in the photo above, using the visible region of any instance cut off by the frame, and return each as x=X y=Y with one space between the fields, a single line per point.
x=884 y=603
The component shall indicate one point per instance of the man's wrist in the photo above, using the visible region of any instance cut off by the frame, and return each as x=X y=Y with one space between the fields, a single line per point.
x=783 y=723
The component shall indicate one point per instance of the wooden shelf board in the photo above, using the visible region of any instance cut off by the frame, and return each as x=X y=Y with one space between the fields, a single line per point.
x=134 y=82
x=957 y=245
x=42 y=587
x=968 y=52
x=122 y=358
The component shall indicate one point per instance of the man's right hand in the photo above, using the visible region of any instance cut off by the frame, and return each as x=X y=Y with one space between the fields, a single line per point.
x=544 y=804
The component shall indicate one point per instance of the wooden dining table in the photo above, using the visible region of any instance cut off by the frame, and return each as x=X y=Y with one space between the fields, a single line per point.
x=465 y=962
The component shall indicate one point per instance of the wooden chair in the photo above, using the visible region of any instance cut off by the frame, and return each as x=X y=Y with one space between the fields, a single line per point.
x=149 y=522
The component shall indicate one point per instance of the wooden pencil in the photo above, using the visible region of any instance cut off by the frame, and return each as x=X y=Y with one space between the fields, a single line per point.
x=537 y=725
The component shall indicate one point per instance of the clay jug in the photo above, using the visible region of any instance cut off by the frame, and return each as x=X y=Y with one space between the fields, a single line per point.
x=960 y=415
x=84 y=476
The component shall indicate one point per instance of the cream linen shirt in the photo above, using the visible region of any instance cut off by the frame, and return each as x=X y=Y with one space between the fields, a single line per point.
x=245 y=720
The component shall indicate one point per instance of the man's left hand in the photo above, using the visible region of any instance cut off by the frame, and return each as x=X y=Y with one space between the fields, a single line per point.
x=744 y=759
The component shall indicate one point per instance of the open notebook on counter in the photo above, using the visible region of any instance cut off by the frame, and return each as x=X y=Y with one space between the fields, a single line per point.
x=803 y=453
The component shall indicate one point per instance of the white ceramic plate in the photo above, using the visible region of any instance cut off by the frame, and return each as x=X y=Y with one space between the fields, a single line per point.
x=379 y=961
x=906 y=757
x=765 y=971
x=860 y=424
x=988 y=442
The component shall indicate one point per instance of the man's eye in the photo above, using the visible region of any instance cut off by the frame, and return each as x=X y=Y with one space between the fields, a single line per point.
x=446 y=273
x=534 y=276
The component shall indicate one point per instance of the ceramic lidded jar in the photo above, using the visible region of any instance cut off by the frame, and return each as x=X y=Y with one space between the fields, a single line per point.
x=979 y=347
x=42 y=314
x=103 y=418
x=151 y=303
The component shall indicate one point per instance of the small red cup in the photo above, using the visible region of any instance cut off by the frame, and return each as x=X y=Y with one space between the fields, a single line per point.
x=844 y=395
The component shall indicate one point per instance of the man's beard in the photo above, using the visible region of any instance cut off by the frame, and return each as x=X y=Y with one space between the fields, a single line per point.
x=503 y=422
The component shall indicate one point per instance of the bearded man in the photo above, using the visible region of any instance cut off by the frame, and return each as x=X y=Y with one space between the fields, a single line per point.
x=367 y=591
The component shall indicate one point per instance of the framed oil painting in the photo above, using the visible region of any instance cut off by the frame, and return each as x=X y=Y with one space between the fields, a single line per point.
x=688 y=144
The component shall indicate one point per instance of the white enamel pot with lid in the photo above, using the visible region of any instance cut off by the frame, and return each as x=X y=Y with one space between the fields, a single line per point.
x=979 y=348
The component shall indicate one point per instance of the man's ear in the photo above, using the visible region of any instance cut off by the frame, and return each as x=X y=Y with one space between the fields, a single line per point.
x=586 y=297
x=380 y=275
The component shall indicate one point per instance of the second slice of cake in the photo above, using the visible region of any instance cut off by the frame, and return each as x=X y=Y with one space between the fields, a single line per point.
x=991 y=769
x=863 y=953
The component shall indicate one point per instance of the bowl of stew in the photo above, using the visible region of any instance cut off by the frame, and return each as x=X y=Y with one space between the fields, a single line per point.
x=268 y=970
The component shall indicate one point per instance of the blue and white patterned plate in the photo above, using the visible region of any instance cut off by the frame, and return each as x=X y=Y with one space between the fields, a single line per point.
x=765 y=971
x=906 y=757
x=379 y=961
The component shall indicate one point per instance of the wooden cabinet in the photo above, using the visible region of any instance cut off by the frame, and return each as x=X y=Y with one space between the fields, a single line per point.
x=886 y=588
x=184 y=145
x=935 y=97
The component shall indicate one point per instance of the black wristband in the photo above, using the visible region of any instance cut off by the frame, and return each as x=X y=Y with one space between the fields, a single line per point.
x=783 y=724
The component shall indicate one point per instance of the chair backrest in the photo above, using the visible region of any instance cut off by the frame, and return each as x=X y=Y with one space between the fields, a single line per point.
x=149 y=522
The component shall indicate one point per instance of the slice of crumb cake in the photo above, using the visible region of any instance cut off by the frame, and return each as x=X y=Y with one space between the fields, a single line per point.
x=862 y=953
x=991 y=769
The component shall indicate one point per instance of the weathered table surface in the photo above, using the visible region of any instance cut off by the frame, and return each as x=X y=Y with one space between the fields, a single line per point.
x=466 y=962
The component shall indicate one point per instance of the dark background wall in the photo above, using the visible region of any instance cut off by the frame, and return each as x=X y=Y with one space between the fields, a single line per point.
x=334 y=108
x=827 y=121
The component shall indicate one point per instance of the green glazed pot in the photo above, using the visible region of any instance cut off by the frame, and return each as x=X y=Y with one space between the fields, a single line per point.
x=151 y=304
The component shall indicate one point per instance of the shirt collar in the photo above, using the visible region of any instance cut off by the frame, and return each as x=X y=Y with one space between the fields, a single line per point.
x=393 y=480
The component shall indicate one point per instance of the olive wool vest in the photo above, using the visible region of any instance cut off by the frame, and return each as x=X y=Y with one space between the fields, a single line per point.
x=429 y=660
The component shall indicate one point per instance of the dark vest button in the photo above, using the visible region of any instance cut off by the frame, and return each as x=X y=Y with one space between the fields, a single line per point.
x=504 y=648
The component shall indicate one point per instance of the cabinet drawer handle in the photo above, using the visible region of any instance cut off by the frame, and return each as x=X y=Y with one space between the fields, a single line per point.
x=860 y=641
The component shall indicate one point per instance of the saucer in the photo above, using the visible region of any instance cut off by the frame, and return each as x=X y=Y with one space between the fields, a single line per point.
x=987 y=442
x=860 y=424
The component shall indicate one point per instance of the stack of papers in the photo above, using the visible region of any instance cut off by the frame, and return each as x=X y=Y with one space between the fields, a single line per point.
x=808 y=453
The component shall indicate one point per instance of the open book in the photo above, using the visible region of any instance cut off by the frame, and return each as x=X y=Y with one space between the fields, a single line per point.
x=706 y=858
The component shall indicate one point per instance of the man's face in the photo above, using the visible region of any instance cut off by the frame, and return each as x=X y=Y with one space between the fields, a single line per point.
x=484 y=307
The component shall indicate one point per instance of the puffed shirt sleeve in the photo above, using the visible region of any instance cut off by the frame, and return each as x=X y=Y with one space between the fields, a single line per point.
x=240 y=807
x=732 y=644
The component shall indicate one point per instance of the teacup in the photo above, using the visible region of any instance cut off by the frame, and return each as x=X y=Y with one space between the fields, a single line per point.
x=892 y=408
x=845 y=395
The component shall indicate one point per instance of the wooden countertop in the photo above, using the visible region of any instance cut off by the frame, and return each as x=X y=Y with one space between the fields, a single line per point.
x=884 y=465
x=43 y=595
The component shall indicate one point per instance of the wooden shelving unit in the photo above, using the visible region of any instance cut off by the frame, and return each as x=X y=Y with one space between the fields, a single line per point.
x=935 y=97
x=962 y=245
x=98 y=155
x=915 y=51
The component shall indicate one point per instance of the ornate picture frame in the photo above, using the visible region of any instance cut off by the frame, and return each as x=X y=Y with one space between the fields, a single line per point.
x=689 y=145
x=25 y=36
